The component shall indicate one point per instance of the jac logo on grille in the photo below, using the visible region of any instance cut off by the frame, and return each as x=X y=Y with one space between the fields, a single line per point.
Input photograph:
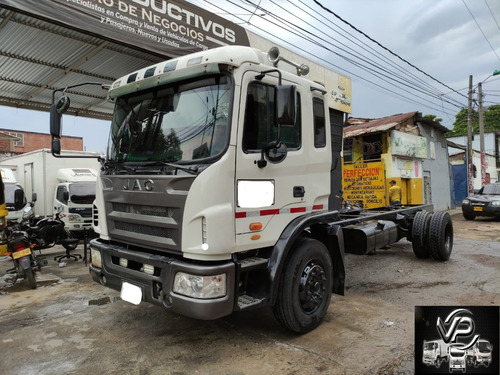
x=139 y=185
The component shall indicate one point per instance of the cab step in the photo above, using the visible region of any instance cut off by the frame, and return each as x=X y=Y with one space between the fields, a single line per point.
x=253 y=262
x=246 y=301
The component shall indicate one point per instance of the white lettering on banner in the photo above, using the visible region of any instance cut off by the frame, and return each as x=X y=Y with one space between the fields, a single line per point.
x=178 y=13
x=161 y=21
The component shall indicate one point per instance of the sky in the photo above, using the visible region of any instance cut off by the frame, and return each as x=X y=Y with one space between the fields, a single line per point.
x=445 y=42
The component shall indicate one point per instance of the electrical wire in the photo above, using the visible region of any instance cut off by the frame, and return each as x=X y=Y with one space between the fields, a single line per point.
x=389 y=75
x=482 y=32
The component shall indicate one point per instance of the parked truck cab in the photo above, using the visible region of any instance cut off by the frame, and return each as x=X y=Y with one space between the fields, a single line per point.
x=434 y=353
x=215 y=193
x=15 y=199
x=480 y=353
x=74 y=196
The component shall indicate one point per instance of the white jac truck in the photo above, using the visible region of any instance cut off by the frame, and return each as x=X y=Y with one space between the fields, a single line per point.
x=215 y=194
x=62 y=185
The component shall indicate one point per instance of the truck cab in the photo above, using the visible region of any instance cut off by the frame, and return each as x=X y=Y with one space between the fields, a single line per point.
x=457 y=359
x=434 y=353
x=15 y=199
x=74 y=196
x=480 y=353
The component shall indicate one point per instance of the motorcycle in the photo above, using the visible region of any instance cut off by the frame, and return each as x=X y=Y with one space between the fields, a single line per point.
x=20 y=249
x=46 y=232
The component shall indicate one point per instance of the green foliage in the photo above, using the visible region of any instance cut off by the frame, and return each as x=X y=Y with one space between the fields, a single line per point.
x=491 y=116
x=433 y=118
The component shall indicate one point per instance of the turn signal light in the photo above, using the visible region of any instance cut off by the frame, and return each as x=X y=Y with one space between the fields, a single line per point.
x=255 y=226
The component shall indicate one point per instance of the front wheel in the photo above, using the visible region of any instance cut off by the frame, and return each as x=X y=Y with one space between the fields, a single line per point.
x=29 y=275
x=305 y=287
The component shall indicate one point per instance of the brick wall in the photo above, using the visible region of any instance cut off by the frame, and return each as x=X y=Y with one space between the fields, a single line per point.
x=35 y=141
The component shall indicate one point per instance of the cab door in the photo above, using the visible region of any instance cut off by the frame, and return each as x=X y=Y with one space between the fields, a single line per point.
x=293 y=180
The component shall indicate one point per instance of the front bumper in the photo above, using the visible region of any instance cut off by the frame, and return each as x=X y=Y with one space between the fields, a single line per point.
x=158 y=288
x=428 y=361
x=481 y=210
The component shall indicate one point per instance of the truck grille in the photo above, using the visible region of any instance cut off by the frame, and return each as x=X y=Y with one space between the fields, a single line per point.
x=150 y=219
x=145 y=229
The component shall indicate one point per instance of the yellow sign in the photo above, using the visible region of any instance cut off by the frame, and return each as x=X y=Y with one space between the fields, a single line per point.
x=364 y=182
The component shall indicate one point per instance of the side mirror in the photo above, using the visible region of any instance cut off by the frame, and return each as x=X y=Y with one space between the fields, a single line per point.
x=56 y=146
x=286 y=105
x=66 y=196
x=33 y=197
x=56 y=111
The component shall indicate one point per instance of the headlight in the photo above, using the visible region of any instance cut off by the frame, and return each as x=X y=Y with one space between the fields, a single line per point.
x=495 y=203
x=74 y=218
x=465 y=201
x=203 y=287
x=96 y=258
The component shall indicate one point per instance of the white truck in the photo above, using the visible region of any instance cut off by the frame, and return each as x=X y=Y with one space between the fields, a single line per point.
x=216 y=192
x=457 y=359
x=435 y=353
x=15 y=198
x=63 y=185
x=480 y=353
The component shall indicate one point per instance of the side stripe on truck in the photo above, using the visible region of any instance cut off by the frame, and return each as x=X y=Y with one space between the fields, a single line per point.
x=278 y=211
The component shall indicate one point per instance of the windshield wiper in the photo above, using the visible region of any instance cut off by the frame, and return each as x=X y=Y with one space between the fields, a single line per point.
x=191 y=170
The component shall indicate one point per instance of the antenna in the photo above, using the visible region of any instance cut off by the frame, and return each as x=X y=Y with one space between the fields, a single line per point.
x=274 y=57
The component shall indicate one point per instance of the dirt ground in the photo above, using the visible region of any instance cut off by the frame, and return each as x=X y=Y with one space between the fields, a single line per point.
x=70 y=325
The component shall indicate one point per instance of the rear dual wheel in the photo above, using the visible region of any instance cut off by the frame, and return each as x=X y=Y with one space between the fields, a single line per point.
x=432 y=235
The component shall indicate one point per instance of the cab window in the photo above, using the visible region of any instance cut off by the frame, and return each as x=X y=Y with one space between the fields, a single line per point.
x=260 y=120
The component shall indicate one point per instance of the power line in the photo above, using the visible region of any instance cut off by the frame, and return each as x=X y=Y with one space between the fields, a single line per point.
x=385 y=48
x=359 y=61
x=482 y=32
x=494 y=18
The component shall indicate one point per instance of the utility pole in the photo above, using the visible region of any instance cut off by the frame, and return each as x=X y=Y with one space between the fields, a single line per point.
x=470 y=166
x=481 y=133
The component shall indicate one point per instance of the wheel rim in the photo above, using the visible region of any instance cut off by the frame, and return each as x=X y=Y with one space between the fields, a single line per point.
x=312 y=287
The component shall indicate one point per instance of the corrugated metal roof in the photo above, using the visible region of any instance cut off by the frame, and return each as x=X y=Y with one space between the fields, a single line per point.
x=384 y=124
x=37 y=57
x=376 y=125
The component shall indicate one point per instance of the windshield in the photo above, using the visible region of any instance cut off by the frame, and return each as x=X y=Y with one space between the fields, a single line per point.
x=82 y=192
x=491 y=189
x=181 y=123
x=484 y=347
x=429 y=346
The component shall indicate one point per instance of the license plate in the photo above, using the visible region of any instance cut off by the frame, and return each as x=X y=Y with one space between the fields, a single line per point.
x=478 y=208
x=131 y=293
x=22 y=253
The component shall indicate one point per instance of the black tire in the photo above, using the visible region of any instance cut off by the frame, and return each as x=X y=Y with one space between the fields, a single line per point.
x=29 y=276
x=420 y=234
x=305 y=287
x=468 y=216
x=441 y=236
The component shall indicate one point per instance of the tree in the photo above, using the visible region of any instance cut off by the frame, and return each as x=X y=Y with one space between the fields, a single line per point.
x=433 y=118
x=491 y=117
